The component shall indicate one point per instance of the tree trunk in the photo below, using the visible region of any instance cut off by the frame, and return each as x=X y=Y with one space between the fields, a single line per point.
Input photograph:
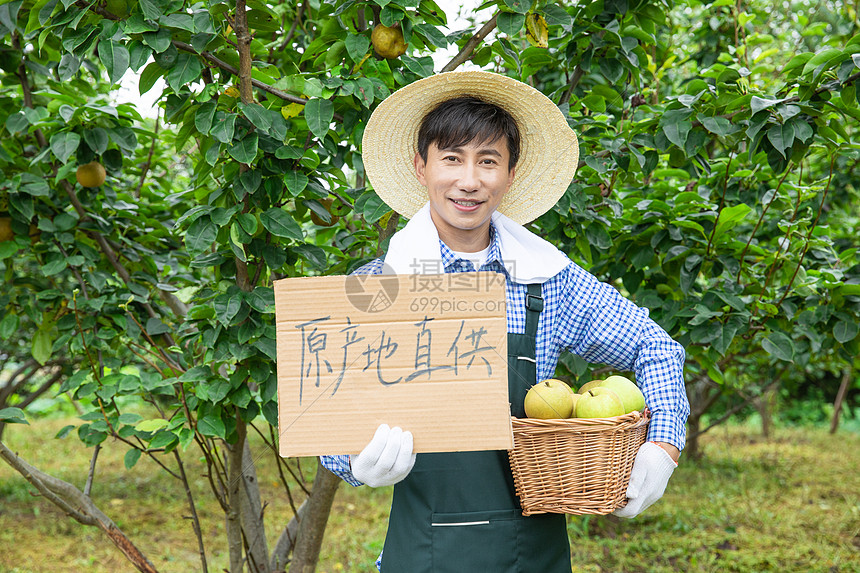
x=840 y=398
x=312 y=528
x=235 y=498
x=253 y=525
x=287 y=540
x=765 y=405
x=694 y=427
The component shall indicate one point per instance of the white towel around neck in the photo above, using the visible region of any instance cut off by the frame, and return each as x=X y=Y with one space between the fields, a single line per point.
x=527 y=257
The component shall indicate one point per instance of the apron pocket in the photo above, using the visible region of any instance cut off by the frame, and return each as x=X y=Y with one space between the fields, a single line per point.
x=475 y=541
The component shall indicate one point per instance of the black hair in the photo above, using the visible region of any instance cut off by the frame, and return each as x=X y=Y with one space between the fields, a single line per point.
x=459 y=121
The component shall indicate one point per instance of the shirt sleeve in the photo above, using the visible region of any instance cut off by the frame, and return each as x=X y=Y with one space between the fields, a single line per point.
x=600 y=325
x=339 y=465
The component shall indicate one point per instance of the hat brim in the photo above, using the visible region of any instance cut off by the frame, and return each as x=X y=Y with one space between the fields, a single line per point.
x=549 y=150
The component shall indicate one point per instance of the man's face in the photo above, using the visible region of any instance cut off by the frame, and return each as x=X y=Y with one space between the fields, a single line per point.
x=465 y=186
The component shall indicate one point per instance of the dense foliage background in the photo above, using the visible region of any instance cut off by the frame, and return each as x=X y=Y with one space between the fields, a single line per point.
x=717 y=188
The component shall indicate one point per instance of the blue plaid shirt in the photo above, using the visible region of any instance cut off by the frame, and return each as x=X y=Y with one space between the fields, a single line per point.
x=591 y=319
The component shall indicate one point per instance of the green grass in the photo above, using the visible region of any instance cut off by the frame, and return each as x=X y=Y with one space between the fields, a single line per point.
x=790 y=503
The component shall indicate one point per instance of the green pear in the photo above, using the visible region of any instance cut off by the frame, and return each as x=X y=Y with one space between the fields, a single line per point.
x=588 y=386
x=630 y=394
x=599 y=403
x=548 y=400
x=576 y=398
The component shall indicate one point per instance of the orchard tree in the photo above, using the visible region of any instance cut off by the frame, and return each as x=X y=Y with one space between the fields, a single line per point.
x=717 y=189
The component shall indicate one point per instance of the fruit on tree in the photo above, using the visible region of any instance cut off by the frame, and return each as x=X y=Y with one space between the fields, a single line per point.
x=91 y=174
x=599 y=403
x=550 y=399
x=6 y=233
x=630 y=394
x=388 y=41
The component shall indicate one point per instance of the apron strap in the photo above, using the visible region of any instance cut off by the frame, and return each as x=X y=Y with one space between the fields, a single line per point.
x=534 y=306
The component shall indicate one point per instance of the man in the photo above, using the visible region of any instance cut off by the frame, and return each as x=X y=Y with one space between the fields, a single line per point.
x=469 y=157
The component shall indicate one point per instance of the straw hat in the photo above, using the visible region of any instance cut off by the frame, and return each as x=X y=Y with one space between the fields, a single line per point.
x=549 y=151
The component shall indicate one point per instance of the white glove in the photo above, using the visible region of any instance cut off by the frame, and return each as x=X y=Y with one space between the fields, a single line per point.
x=386 y=460
x=652 y=469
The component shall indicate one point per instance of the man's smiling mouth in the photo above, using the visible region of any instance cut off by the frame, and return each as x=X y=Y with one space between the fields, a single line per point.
x=466 y=203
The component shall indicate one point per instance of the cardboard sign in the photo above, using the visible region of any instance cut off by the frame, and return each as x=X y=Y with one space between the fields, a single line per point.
x=427 y=353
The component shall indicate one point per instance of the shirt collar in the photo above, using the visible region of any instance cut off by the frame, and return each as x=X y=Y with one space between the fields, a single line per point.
x=451 y=262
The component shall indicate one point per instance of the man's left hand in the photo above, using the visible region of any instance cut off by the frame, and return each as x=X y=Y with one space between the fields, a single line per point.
x=652 y=469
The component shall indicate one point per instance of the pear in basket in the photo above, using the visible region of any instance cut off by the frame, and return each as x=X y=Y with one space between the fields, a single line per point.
x=548 y=400
x=630 y=394
x=599 y=403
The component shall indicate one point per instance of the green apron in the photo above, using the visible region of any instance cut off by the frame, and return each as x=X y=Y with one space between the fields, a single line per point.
x=457 y=512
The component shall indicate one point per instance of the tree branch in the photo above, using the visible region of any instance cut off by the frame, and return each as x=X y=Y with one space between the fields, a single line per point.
x=466 y=53
x=148 y=163
x=208 y=56
x=574 y=81
x=240 y=27
x=78 y=506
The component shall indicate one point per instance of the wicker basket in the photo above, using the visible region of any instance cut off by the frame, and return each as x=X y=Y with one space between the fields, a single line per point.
x=579 y=466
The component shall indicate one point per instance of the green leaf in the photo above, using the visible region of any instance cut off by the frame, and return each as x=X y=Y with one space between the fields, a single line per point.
x=556 y=16
x=187 y=69
x=204 y=116
x=55 y=266
x=262 y=299
x=64 y=431
x=7 y=249
x=757 y=104
x=423 y=67
x=257 y=115
x=163 y=439
x=519 y=6
x=115 y=58
x=150 y=9
x=730 y=217
x=130 y=418
x=130 y=458
x=42 y=346
x=151 y=425
x=13 y=416
x=357 y=46
x=281 y=224
x=8 y=326
x=97 y=139
x=148 y=77
x=223 y=127
x=779 y=346
x=845 y=331
x=64 y=143
x=124 y=137
x=159 y=41
x=677 y=132
x=319 y=114
x=717 y=125
x=296 y=181
x=511 y=23
x=371 y=206
x=781 y=137
x=245 y=150
x=200 y=235
x=211 y=426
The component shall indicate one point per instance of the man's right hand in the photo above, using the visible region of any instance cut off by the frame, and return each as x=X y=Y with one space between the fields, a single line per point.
x=386 y=460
